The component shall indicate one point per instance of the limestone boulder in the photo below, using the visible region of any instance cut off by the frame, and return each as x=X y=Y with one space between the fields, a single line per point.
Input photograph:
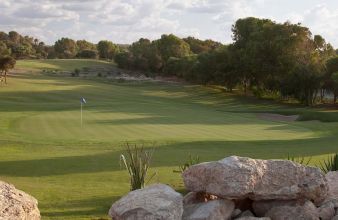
x=240 y=177
x=155 y=202
x=16 y=204
x=307 y=211
x=332 y=180
x=335 y=217
x=253 y=218
x=197 y=197
x=262 y=207
x=327 y=210
x=212 y=210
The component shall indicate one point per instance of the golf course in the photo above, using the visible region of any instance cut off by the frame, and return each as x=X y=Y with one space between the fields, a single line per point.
x=74 y=171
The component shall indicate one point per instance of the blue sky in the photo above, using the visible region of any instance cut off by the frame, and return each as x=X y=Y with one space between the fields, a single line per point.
x=125 y=21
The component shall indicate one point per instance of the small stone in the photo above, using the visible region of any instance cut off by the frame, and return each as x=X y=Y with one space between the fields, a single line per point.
x=236 y=213
x=246 y=213
x=262 y=207
x=327 y=211
x=197 y=197
x=212 y=210
x=335 y=217
x=154 y=202
x=253 y=218
x=299 y=212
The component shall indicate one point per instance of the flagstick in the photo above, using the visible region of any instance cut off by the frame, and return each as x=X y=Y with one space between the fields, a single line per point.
x=81 y=114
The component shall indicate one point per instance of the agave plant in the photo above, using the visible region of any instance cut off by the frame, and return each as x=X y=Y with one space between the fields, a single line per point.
x=191 y=161
x=301 y=160
x=137 y=161
x=330 y=164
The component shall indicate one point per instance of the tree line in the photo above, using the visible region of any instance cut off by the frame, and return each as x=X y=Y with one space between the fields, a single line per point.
x=266 y=58
x=25 y=47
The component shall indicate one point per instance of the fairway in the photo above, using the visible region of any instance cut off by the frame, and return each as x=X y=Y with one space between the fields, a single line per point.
x=74 y=171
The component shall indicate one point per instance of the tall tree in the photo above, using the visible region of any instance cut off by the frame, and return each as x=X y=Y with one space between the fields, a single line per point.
x=331 y=79
x=65 y=48
x=6 y=63
x=172 y=46
x=85 y=45
x=107 y=50
x=4 y=51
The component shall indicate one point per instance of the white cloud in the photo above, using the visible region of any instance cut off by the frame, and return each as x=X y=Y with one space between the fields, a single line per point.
x=124 y=21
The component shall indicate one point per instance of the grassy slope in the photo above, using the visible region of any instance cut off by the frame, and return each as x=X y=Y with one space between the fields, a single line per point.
x=74 y=172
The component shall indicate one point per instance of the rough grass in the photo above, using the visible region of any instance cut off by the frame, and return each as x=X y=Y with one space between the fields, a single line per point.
x=74 y=172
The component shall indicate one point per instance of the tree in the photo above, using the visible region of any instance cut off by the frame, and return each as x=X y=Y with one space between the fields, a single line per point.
x=180 y=67
x=172 y=46
x=331 y=79
x=14 y=36
x=89 y=54
x=4 y=51
x=124 y=60
x=107 y=50
x=85 y=45
x=198 y=46
x=6 y=63
x=65 y=48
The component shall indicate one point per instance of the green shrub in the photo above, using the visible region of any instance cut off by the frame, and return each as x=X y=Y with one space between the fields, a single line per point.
x=330 y=164
x=300 y=160
x=191 y=161
x=137 y=161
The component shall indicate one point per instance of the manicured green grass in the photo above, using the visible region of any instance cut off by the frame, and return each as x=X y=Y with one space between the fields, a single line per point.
x=74 y=171
x=59 y=64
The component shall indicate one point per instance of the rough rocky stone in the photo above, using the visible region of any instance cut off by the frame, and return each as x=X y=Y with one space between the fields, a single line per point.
x=154 y=202
x=253 y=218
x=332 y=180
x=246 y=213
x=335 y=217
x=212 y=210
x=327 y=211
x=236 y=213
x=243 y=204
x=197 y=197
x=308 y=211
x=238 y=177
x=16 y=204
x=262 y=207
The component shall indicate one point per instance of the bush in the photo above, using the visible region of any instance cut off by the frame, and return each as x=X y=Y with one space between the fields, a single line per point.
x=300 y=160
x=191 y=161
x=331 y=164
x=76 y=73
x=137 y=161
x=89 y=54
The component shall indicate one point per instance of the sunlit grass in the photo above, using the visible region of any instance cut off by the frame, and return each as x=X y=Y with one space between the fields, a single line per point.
x=74 y=171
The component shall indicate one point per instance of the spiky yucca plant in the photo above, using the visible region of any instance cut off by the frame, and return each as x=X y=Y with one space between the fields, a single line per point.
x=300 y=160
x=330 y=164
x=137 y=161
x=191 y=161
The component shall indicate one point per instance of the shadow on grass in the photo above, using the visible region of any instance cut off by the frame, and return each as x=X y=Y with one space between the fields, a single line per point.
x=97 y=207
x=171 y=154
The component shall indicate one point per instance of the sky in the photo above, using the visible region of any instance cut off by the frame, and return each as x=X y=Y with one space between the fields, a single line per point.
x=125 y=21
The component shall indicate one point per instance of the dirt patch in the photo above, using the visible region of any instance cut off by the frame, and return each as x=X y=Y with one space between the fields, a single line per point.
x=277 y=117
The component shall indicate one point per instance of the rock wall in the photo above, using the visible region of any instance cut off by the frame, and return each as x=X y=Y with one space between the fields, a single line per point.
x=238 y=188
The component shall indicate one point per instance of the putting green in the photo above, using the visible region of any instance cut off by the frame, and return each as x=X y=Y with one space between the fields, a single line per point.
x=74 y=171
